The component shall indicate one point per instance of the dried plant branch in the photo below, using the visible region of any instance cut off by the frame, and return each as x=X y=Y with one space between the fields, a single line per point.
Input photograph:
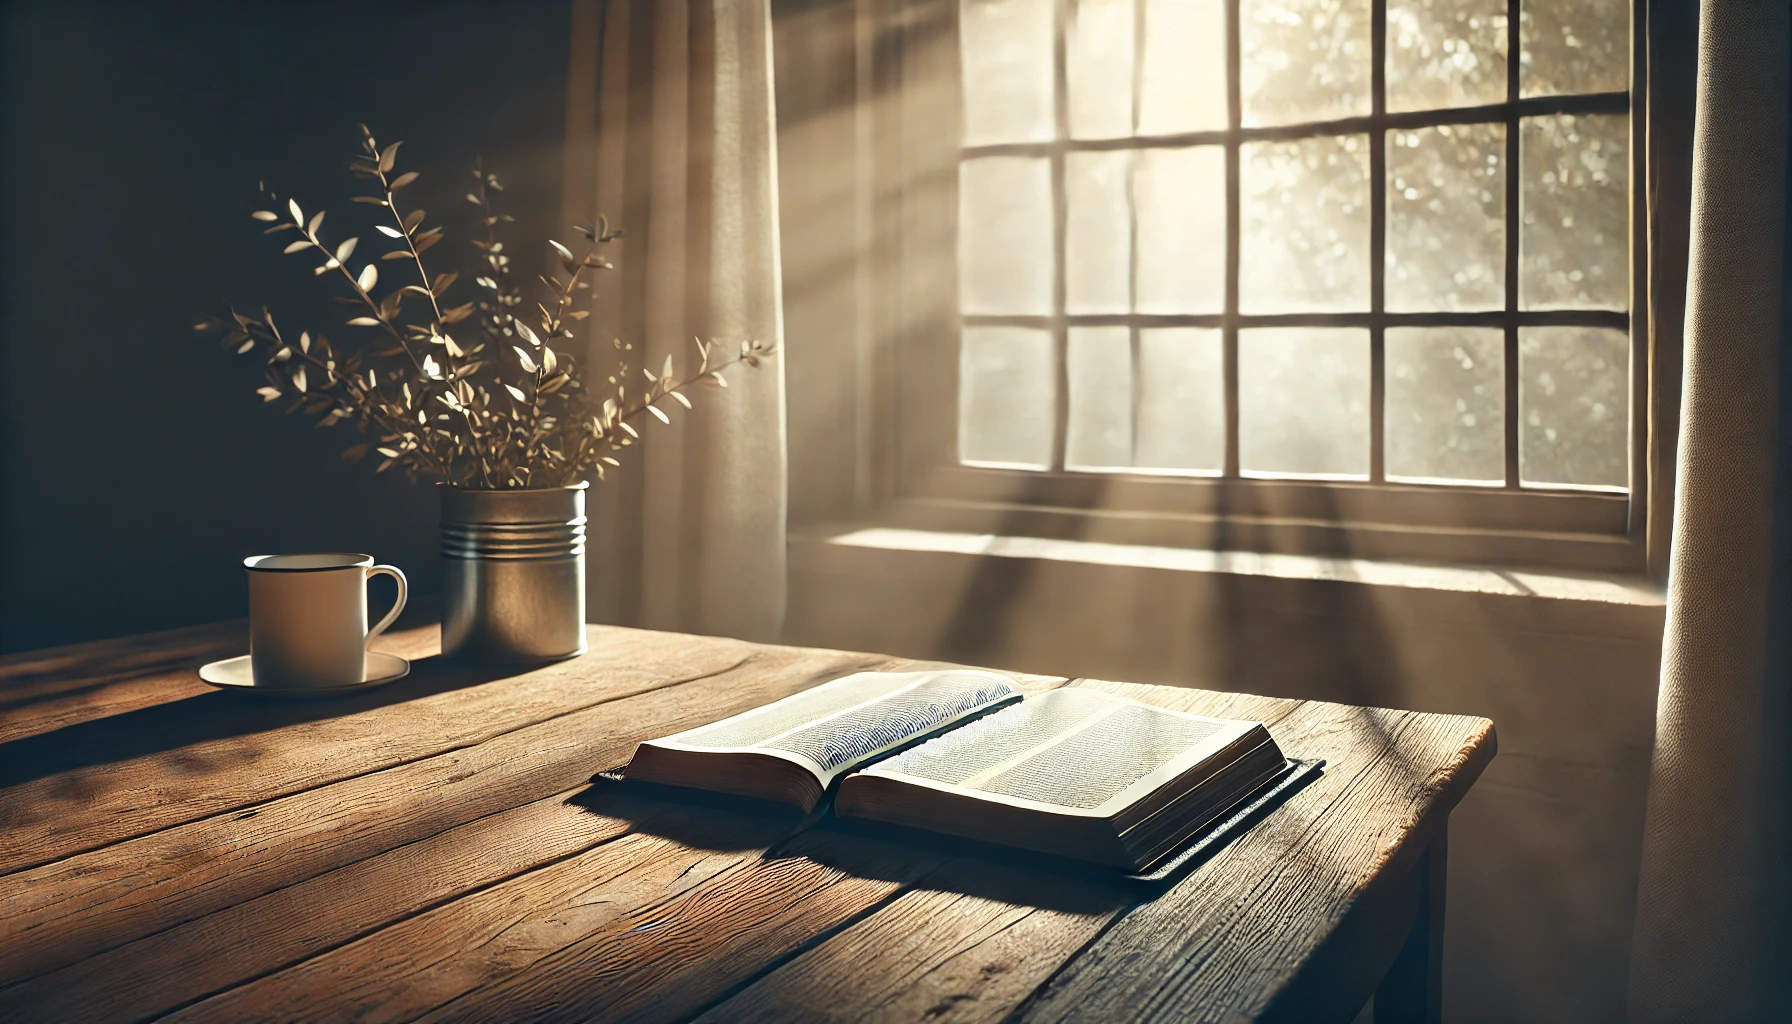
x=475 y=416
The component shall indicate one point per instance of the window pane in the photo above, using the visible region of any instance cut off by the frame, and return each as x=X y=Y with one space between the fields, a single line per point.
x=1098 y=56
x=1446 y=218
x=1005 y=235
x=1099 y=435
x=1181 y=196
x=1182 y=400
x=1573 y=46
x=1304 y=60
x=1183 y=88
x=1303 y=402
x=1098 y=233
x=1574 y=397
x=1005 y=403
x=1446 y=400
x=1575 y=235
x=1005 y=47
x=1305 y=239
x=1446 y=53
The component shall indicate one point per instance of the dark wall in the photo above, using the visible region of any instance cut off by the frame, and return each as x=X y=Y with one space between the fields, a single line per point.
x=137 y=465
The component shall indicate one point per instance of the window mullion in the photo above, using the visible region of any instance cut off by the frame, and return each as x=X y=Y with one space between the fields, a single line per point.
x=1229 y=321
x=1060 y=231
x=1378 y=230
x=1132 y=218
x=1512 y=224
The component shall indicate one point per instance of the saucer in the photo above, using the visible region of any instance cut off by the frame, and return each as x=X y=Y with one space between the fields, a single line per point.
x=235 y=674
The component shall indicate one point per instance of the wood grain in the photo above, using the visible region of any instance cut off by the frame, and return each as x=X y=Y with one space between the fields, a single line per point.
x=63 y=796
x=169 y=969
x=45 y=690
x=970 y=941
x=1222 y=944
x=418 y=964
x=667 y=961
x=55 y=914
x=429 y=851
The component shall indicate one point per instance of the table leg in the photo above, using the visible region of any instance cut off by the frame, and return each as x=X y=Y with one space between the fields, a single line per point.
x=1412 y=991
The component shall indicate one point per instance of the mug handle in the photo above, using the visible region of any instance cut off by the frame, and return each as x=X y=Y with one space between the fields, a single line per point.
x=403 y=591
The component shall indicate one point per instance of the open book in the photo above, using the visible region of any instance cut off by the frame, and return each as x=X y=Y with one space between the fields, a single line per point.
x=1074 y=772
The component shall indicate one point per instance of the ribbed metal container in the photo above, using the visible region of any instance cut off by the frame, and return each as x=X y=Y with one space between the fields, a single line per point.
x=514 y=567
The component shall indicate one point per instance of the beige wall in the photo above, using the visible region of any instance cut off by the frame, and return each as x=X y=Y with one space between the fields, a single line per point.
x=1544 y=851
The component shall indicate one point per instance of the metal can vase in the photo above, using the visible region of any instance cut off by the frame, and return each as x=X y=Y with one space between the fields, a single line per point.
x=514 y=573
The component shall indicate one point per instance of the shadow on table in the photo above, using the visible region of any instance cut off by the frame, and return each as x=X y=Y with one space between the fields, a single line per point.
x=708 y=821
x=219 y=715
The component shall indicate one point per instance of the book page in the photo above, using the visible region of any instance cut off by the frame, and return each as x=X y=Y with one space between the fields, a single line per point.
x=843 y=722
x=1071 y=748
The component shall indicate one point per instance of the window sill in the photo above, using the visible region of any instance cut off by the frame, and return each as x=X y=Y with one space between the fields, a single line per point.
x=1501 y=599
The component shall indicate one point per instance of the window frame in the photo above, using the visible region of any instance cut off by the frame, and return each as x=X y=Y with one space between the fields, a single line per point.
x=919 y=480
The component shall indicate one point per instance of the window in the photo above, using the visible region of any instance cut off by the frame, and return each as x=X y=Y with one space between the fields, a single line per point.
x=1342 y=242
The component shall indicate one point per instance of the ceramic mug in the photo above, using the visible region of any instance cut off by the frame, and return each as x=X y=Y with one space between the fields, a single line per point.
x=308 y=618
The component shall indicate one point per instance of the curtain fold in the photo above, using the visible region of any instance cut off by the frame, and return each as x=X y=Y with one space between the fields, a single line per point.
x=689 y=534
x=1712 y=929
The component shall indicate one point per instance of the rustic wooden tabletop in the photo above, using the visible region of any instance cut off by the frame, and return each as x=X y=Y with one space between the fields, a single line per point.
x=436 y=850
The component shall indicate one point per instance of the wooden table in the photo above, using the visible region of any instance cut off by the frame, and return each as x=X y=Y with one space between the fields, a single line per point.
x=434 y=850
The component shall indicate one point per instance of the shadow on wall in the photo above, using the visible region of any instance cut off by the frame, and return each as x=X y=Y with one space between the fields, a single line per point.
x=139 y=465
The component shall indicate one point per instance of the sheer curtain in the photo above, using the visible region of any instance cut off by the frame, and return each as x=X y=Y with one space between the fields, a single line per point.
x=671 y=135
x=1712 y=930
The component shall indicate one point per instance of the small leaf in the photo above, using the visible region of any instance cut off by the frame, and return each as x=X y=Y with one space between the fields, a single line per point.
x=565 y=253
x=425 y=241
x=317 y=220
x=265 y=215
x=389 y=156
x=515 y=392
x=611 y=461
x=548 y=362
x=296 y=246
x=268 y=394
x=678 y=396
x=298 y=215
x=453 y=349
x=375 y=200
x=343 y=250
x=369 y=277
x=396 y=254
x=443 y=281
x=244 y=348
x=522 y=356
x=387 y=452
x=388 y=232
x=355 y=453
x=298 y=379
x=363 y=321
x=458 y=313
x=430 y=369
x=401 y=181
x=412 y=219
x=659 y=414
x=305 y=341
x=522 y=329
